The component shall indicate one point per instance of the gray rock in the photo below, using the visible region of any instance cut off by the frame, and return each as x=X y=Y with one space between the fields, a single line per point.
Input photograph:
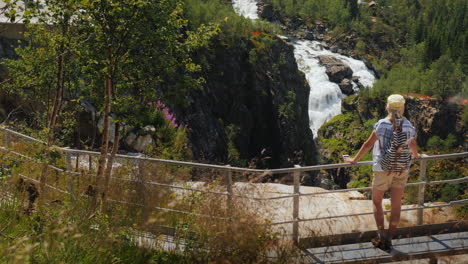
x=336 y=69
x=111 y=127
x=346 y=87
x=267 y=12
x=149 y=129
x=130 y=139
x=142 y=143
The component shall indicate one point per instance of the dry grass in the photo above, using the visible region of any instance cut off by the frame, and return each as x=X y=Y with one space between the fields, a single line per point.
x=67 y=228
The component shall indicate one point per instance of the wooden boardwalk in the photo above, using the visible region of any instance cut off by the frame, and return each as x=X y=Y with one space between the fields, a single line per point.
x=451 y=239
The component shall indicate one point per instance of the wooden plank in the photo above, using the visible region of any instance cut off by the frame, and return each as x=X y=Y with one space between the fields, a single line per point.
x=412 y=248
x=358 y=237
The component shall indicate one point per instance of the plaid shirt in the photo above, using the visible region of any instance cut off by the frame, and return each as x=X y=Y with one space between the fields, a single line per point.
x=383 y=129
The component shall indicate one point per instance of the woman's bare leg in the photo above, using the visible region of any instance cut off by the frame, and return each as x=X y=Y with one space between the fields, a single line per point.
x=377 y=197
x=395 y=195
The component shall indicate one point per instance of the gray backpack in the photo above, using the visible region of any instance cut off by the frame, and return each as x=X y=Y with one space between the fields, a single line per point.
x=396 y=156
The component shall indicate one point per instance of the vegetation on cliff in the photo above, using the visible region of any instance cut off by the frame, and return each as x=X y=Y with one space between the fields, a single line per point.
x=419 y=46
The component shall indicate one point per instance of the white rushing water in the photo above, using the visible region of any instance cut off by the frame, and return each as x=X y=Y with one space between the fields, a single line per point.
x=246 y=8
x=325 y=96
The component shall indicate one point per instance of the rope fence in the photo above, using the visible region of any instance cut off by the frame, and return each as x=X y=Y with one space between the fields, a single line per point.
x=227 y=174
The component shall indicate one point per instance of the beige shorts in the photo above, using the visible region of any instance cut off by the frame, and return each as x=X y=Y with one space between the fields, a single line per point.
x=383 y=180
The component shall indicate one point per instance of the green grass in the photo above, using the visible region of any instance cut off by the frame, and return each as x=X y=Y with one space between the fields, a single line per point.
x=57 y=235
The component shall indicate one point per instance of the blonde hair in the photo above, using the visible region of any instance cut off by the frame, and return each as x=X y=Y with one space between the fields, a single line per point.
x=395 y=113
x=395 y=108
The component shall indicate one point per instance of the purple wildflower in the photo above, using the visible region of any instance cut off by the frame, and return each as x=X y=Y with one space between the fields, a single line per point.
x=160 y=106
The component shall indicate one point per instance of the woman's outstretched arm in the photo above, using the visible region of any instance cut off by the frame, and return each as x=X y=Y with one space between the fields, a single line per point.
x=364 y=148
x=414 y=149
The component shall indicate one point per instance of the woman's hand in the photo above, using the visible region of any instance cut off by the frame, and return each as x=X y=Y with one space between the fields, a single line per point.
x=349 y=159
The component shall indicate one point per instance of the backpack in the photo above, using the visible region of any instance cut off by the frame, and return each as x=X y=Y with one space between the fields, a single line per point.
x=396 y=156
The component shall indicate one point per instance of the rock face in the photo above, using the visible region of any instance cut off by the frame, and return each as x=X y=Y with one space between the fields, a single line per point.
x=7 y=51
x=336 y=69
x=346 y=87
x=7 y=48
x=267 y=12
x=321 y=206
x=253 y=102
x=433 y=117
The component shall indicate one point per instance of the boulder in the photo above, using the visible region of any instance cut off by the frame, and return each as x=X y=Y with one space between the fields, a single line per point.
x=149 y=129
x=142 y=143
x=346 y=87
x=130 y=139
x=267 y=12
x=336 y=69
x=141 y=140
x=100 y=126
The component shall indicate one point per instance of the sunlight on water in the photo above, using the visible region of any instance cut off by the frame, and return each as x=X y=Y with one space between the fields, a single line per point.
x=246 y=8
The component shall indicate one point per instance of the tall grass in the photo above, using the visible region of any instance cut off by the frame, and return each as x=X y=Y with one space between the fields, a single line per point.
x=65 y=228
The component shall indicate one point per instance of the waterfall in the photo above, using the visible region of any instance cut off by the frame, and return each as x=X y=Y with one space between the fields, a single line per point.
x=325 y=96
x=246 y=8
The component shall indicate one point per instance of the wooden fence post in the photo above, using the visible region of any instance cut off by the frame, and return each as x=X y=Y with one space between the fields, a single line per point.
x=90 y=164
x=7 y=139
x=77 y=163
x=71 y=187
x=297 y=183
x=422 y=189
x=228 y=179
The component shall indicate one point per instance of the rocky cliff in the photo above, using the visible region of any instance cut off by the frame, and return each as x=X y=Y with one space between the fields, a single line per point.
x=7 y=50
x=430 y=117
x=253 y=108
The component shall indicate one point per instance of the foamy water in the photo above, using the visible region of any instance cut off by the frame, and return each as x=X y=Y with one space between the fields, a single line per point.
x=246 y=8
x=325 y=96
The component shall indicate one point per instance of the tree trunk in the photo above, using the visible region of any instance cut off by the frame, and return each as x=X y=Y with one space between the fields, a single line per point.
x=110 y=162
x=55 y=111
x=105 y=140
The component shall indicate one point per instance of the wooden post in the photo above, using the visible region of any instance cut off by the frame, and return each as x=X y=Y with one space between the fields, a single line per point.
x=71 y=187
x=90 y=168
x=7 y=139
x=77 y=163
x=422 y=189
x=297 y=183
x=228 y=179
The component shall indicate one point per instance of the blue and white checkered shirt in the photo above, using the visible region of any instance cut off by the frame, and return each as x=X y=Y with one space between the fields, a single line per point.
x=383 y=129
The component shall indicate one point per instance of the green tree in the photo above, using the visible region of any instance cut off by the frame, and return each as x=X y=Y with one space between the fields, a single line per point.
x=446 y=77
x=138 y=49
x=46 y=56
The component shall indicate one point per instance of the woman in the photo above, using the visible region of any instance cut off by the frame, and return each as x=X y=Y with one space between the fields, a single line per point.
x=383 y=180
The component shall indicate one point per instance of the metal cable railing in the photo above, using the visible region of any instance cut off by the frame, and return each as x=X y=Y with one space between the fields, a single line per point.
x=228 y=175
